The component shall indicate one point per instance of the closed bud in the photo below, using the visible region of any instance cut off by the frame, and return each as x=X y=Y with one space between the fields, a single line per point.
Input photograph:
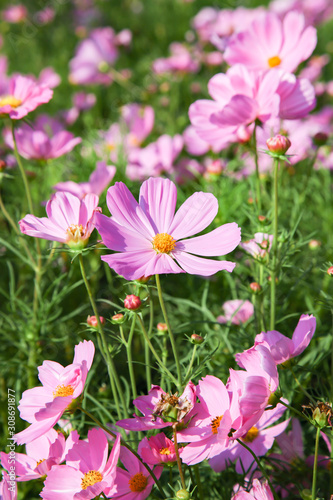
x=314 y=244
x=118 y=319
x=92 y=321
x=320 y=139
x=3 y=165
x=183 y=495
x=162 y=327
x=143 y=279
x=255 y=287
x=330 y=271
x=132 y=302
x=196 y=339
x=262 y=219
x=278 y=144
x=320 y=418
x=215 y=168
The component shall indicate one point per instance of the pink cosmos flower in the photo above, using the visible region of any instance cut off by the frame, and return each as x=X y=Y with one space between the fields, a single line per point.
x=43 y=406
x=259 y=246
x=259 y=438
x=41 y=455
x=188 y=169
x=314 y=12
x=15 y=13
x=45 y=16
x=260 y=491
x=22 y=96
x=160 y=409
x=193 y=144
x=70 y=220
x=150 y=236
x=236 y=311
x=135 y=482
x=8 y=487
x=88 y=471
x=49 y=78
x=181 y=60
x=269 y=43
x=157 y=450
x=139 y=121
x=44 y=140
x=283 y=348
x=98 y=181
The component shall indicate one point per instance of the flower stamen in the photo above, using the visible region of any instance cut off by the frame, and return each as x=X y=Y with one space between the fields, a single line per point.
x=63 y=391
x=215 y=424
x=10 y=100
x=274 y=61
x=164 y=243
x=250 y=435
x=90 y=478
x=138 y=482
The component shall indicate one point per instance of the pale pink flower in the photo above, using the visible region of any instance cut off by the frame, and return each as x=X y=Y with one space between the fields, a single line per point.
x=181 y=60
x=193 y=144
x=150 y=236
x=15 y=13
x=134 y=482
x=187 y=169
x=22 y=96
x=41 y=455
x=236 y=311
x=260 y=491
x=314 y=12
x=156 y=410
x=259 y=246
x=259 y=438
x=88 y=471
x=157 y=450
x=139 y=121
x=283 y=348
x=8 y=487
x=43 y=140
x=43 y=406
x=70 y=220
x=49 y=78
x=45 y=16
x=270 y=43
x=98 y=181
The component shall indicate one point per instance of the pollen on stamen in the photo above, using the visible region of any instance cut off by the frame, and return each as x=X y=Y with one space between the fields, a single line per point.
x=40 y=461
x=90 y=478
x=250 y=435
x=10 y=100
x=63 y=391
x=165 y=451
x=164 y=243
x=138 y=482
x=274 y=61
x=75 y=232
x=215 y=424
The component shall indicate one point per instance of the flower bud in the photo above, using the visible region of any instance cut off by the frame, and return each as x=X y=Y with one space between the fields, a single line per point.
x=132 y=302
x=262 y=219
x=3 y=165
x=143 y=279
x=314 y=244
x=92 y=321
x=278 y=144
x=162 y=327
x=320 y=139
x=330 y=271
x=255 y=287
x=215 y=168
x=118 y=319
x=196 y=339
x=183 y=495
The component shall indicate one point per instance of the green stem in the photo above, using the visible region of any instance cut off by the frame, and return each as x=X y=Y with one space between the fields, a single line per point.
x=147 y=351
x=260 y=466
x=258 y=187
x=188 y=373
x=301 y=387
x=291 y=408
x=179 y=463
x=158 y=359
x=128 y=346
x=199 y=485
x=114 y=381
x=315 y=466
x=24 y=177
x=331 y=454
x=123 y=443
x=172 y=339
x=164 y=359
x=274 y=243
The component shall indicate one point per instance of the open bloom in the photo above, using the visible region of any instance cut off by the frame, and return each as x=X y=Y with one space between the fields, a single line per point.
x=8 y=488
x=23 y=95
x=98 y=181
x=88 y=471
x=258 y=492
x=157 y=450
x=151 y=237
x=43 y=406
x=259 y=246
x=236 y=311
x=70 y=220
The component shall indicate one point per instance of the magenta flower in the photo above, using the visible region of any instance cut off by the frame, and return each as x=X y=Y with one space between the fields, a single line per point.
x=259 y=246
x=181 y=60
x=160 y=409
x=88 y=471
x=157 y=450
x=41 y=455
x=236 y=311
x=260 y=491
x=44 y=140
x=283 y=348
x=135 y=482
x=98 y=181
x=139 y=122
x=8 y=487
x=270 y=42
x=260 y=438
x=150 y=236
x=43 y=406
x=22 y=96
x=15 y=13
x=70 y=220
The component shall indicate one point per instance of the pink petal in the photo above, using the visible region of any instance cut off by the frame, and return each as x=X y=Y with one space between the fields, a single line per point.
x=62 y=482
x=42 y=228
x=303 y=333
x=84 y=353
x=202 y=267
x=240 y=110
x=221 y=241
x=120 y=238
x=158 y=199
x=64 y=208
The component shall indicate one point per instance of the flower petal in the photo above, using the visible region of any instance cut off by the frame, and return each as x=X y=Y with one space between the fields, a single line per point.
x=158 y=199
x=221 y=241
x=120 y=238
x=203 y=267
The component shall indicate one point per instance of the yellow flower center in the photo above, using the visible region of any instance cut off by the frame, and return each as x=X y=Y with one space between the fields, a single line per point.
x=110 y=146
x=40 y=461
x=133 y=140
x=90 y=478
x=164 y=243
x=63 y=391
x=250 y=435
x=215 y=424
x=138 y=482
x=75 y=232
x=274 y=61
x=10 y=100
x=165 y=451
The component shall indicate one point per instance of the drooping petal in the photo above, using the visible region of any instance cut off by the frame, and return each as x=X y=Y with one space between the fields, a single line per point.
x=220 y=241
x=203 y=267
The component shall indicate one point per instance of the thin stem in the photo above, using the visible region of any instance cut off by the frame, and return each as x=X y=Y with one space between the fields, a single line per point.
x=315 y=465
x=150 y=330
x=164 y=358
x=128 y=346
x=199 y=485
x=258 y=187
x=123 y=443
x=172 y=339
x=187 y=376
x=308 y=395
x=158 y=359
x=274 y=243
x=114 y=381
x=331 y=454
x=291 y=408
x=179 y=463
x=259 y=465
x=24 y=177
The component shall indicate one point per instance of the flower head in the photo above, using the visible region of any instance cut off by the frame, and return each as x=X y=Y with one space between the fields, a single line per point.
x=236 y=311
x=98 y=181
x=278 y=144
x=152 y=239
x=157 y=450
